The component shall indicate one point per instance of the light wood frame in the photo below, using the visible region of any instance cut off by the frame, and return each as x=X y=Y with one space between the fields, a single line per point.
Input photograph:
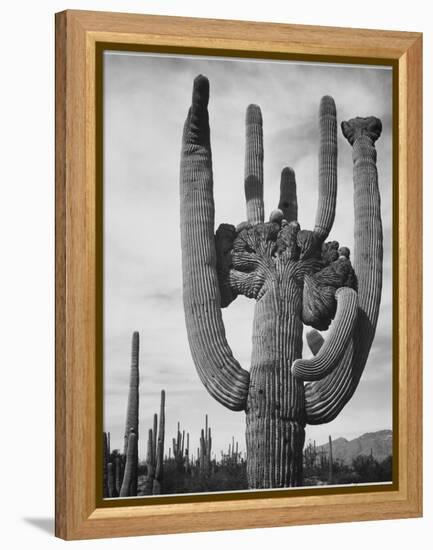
x=78 y=34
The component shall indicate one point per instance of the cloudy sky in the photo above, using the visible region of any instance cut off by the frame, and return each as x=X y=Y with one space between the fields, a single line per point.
x=146 y=98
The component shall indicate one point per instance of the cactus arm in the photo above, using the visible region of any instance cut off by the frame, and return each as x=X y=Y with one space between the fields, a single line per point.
x=327 y=359
x=219 y=371
x=327 y=167
x=315 y=341
x=288 y=199
x=130 y=468
x=324 y=399
x=254 y=165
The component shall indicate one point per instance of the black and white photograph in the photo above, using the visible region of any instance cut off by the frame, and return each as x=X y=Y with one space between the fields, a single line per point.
x=247 y=274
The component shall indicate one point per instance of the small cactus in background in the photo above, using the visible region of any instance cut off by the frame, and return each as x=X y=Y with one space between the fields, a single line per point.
x=121 y=471
x=112 y=490
x=159 y=460
x=118 y=475
x=296 y=278
x=205 y=449
x=331 y=463
x=178 y=449
x=155 y=452
x=106 y=453
x=150 y=464
x=130 y=475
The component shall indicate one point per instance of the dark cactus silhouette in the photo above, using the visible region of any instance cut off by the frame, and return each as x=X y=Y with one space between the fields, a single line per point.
x=159 y=466
x=112 y=490
x=106 y=455
x=155 y=452
x=205 y=449
x=179 y=450
x=296 y=278
x=331 y=463
x=130 y=474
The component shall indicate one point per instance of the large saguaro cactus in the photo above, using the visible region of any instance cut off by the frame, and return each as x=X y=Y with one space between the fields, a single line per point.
x=296 y=278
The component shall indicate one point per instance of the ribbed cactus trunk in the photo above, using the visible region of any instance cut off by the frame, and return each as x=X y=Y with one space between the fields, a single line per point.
x=275 y=407
x=296 y=279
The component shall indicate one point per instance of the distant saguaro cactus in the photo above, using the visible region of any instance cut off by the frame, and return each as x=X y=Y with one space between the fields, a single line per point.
x=295 y=277
x=331 y=463
x=205 y=449
x=178 y=449
x=159 y=458
x=132 y=410
x=106 y=451
x=155 y=452
x=130 y=467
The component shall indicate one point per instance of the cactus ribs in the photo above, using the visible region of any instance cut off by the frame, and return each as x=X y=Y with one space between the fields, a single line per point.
x=296 y=278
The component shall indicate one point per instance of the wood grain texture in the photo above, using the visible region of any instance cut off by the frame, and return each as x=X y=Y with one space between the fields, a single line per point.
x=77 y=34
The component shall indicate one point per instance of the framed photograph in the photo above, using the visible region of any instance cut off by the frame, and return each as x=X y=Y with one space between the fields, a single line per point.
x=238 y=274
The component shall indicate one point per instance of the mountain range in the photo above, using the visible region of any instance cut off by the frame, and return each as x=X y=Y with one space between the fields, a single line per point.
x=379 y=444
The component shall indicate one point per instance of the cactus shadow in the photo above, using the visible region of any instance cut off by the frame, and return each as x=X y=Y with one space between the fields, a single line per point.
x=44 y=524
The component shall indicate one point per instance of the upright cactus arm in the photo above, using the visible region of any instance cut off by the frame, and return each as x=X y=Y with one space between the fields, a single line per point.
x=325 y=398
x=288 y=199
x=327 y=167
x=254 y=165
x=327 y=359
x=219 y=371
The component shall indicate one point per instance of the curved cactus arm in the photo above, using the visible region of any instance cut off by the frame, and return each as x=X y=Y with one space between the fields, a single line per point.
x=327 y=167
x=315 y=341
x=288 y=198
x=219 y=371
x=327 y=359
x=325 y=398
x=254 y=164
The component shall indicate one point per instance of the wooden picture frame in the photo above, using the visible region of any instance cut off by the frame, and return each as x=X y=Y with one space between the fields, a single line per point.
x=80 y=35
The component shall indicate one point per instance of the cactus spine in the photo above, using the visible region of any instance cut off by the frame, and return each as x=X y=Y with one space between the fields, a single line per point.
x=296 y=277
